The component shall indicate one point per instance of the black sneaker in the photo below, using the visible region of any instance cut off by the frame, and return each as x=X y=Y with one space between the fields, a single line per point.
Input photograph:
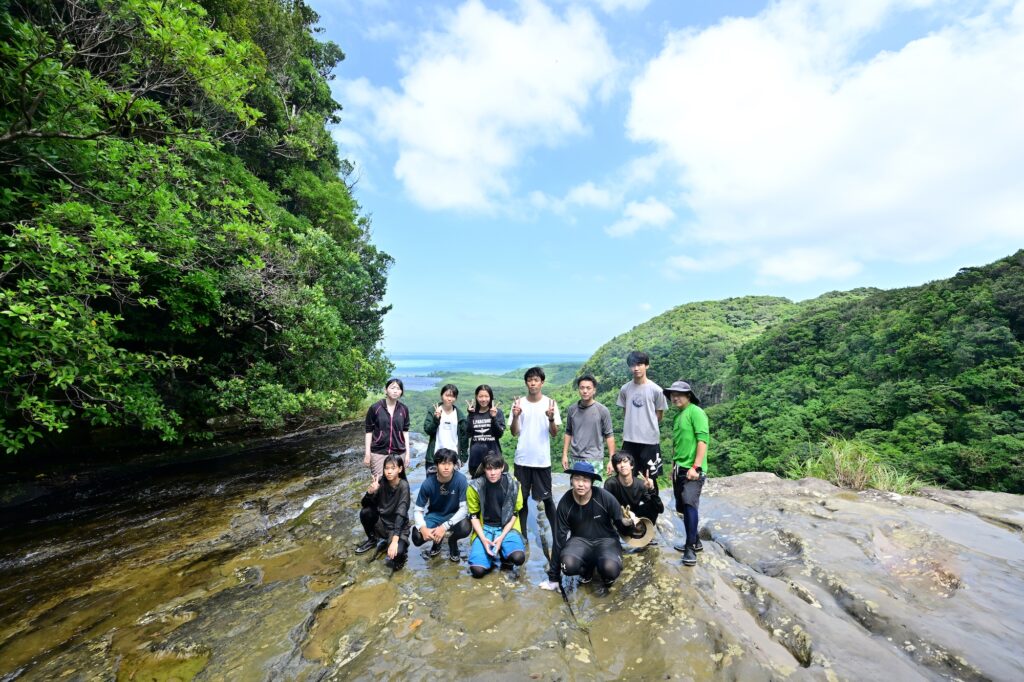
x=585 y=579
x=689 y=557
x=681 y=547
x=652 y=543
x=435 y=549
x=366 y=546
x=697 y=547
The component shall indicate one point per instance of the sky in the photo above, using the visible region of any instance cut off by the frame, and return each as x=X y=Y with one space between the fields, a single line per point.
x=547 y=174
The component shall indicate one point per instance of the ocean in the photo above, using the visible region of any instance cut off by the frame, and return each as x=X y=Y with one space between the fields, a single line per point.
x=413 y=368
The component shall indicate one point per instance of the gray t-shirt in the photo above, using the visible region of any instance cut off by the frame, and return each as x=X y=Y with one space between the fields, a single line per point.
x=588 y=427
x=641 y=403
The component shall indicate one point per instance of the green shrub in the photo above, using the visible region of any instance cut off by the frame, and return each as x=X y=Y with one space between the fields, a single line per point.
x=856 y=465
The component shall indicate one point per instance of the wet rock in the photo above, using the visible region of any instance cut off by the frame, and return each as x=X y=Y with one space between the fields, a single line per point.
x=256 y=578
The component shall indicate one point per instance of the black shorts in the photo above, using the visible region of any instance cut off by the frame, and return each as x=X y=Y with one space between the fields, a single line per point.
x=687 y=493
x=647 y=457
x=536 y=481
x=589 y=552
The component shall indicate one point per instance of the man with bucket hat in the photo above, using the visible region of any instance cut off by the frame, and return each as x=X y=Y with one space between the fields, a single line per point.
x=690 y=437
x=588 y=522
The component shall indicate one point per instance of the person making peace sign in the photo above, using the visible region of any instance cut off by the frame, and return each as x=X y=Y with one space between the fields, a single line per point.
x=535 y=419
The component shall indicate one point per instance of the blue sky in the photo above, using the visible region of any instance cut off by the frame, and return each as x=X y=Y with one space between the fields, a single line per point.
x=549 y=174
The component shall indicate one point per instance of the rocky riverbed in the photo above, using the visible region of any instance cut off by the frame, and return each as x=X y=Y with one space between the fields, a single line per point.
x=244 y=569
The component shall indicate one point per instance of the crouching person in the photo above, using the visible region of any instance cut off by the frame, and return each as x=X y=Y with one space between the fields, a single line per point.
x=441 y=506
x=636 y=492
x=588 y=523
x=493 y=501
x=385 y=513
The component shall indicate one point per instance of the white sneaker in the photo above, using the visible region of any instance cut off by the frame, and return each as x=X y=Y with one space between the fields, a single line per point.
x=549 y=585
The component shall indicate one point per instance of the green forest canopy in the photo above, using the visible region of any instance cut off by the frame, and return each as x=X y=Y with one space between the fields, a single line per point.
x=178 y=239
x=931 y=378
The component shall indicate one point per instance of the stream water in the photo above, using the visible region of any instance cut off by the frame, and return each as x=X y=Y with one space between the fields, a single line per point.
x=241 y=566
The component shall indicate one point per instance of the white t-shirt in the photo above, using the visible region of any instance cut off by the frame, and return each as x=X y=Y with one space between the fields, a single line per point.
x=534 y=446
x=448 y=431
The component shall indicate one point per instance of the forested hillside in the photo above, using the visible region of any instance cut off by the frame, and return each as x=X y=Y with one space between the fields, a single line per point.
x=695 y=340
x=929 y=379
x=178 y=240
x=932 y=377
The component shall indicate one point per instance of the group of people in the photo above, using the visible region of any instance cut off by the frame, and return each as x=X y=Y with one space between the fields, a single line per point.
x=488 y=504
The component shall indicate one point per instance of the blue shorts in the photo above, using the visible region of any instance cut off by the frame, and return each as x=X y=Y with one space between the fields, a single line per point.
x=478 y=556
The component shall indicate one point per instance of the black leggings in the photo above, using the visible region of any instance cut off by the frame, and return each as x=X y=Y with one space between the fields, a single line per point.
x=582 y=557
x=375 y=530
x=455 y=533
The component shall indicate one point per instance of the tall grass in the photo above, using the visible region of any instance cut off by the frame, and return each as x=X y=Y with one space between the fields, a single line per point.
x=854 y=464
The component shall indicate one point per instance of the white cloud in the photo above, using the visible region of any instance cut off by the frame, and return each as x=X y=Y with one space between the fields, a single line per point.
x=585 y=195
x=638 y=215
x=388 y=30
x=645 y=306
x=482 y=91
x=783 y=135
x=806 y=264
x=588 y=194
x=611 y=6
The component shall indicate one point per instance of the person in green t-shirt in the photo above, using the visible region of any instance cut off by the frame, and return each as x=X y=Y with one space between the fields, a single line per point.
x=690 y=437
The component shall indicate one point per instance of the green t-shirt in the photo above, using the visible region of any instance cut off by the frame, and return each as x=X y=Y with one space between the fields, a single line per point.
x=689 y=427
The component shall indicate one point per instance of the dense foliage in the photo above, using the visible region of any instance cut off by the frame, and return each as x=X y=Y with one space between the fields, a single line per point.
x=930 y=377
x=178 y=239
x=696 y=342
x=919 y=383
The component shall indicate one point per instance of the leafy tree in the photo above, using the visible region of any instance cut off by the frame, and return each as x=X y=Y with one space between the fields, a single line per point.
x=178 y=237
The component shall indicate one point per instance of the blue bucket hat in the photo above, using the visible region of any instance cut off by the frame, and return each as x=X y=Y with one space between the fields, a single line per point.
x=583 y=469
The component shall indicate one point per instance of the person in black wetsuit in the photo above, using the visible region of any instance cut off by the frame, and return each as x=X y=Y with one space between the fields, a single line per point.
x=588 y=522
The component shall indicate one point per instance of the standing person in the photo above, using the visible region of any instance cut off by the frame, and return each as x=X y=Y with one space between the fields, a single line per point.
x=493 y=501
x=387 y=428
x=636 y=492
x=484 y=428
x=535 y=419
x=441 y=506
x=445 y=426
x=385 y=513
x=587 y=534
x=690 y=438
x=588 y=428
x=643 y=407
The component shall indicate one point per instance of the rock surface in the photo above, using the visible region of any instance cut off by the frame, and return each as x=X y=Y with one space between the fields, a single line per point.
x=243 y=577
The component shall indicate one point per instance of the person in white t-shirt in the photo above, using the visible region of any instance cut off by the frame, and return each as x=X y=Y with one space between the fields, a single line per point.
x=535 y=421
x=445 y=426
